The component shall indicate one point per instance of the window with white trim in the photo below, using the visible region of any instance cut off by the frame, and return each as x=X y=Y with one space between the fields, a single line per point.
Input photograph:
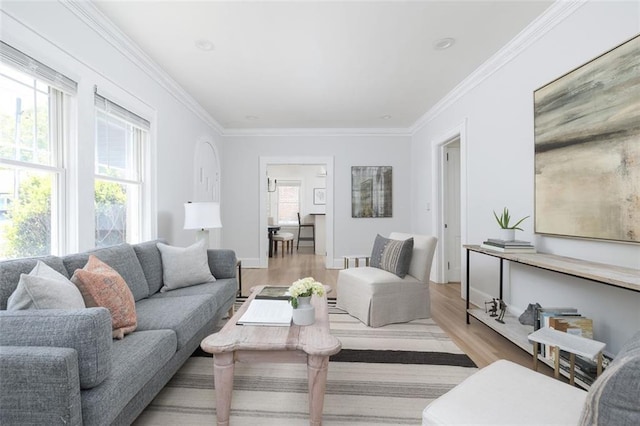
x=34 y=110
x=120 y=144
x=288 y=202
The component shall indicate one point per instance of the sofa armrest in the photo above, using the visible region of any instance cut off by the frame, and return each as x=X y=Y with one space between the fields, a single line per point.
x=39 y=385
x=87 y=331
x=222 y=263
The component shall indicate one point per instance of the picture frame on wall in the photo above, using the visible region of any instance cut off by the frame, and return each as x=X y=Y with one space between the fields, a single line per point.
x=319 y=196
x=371 y=191
x=587 y=142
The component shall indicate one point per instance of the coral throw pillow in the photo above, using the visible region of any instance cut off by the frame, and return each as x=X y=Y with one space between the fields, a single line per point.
x=101 y=285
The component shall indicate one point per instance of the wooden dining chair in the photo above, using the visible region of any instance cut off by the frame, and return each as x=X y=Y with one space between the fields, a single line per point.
x=312 y=237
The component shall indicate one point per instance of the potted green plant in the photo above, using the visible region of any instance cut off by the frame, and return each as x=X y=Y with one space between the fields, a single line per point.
x=508 y=230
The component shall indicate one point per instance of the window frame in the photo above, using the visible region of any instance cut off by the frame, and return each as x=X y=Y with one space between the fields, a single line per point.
x=287 y=183
x=59 y=109
x=135 y=230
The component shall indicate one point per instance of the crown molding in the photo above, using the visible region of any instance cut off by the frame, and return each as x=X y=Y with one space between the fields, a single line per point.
x=551 y=17
x=319 y=132
x=88 y=13
x=97 y=21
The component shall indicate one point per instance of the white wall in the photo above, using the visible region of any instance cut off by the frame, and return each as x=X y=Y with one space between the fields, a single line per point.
x=499 y=124
x=500 y=171
x=52 y=34
x=351 y=236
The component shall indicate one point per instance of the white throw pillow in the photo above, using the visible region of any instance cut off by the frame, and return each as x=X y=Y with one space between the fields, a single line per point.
x=182 y=267
x=45 y=288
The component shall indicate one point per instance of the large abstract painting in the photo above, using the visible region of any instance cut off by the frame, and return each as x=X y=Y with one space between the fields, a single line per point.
x=587 y=149
x=371 y=194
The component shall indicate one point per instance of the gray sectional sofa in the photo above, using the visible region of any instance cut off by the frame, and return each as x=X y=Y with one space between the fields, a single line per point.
x=64 y=367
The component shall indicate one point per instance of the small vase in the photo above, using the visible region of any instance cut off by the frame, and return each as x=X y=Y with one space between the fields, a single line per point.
x=305 y=313
x=508 y=234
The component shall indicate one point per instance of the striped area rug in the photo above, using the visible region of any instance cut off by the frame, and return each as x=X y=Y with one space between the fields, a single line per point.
x=383 y=376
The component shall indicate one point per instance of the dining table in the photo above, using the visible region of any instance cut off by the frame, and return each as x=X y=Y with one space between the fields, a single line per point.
x=272 y=229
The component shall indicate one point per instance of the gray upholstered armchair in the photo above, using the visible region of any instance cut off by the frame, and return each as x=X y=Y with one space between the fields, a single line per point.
x=378 y=297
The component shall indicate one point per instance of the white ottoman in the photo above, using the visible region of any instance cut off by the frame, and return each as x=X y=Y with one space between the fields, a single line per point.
x=505 y=393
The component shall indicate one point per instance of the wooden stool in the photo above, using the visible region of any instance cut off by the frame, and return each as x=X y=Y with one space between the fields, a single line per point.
x=356 y=259
x=283 y=237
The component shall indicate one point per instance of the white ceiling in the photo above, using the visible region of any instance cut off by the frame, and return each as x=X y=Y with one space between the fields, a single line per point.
x=326 y=64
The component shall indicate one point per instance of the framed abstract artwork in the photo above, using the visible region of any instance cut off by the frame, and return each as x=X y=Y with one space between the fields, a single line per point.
x=371 y=191
x=587 y=149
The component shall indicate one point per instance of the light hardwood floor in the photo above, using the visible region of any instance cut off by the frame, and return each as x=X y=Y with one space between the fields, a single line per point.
x=482 y=344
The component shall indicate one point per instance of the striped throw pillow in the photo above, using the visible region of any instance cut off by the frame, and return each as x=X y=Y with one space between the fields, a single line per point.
x=392 y=255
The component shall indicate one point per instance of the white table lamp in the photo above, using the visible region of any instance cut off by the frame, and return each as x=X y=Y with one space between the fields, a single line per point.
x=202 y=216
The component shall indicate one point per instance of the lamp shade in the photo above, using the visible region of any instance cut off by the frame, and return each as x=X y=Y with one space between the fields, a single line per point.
x=202 y=215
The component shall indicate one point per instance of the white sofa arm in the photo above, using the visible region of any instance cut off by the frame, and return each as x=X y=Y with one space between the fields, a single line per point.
x=505 y=393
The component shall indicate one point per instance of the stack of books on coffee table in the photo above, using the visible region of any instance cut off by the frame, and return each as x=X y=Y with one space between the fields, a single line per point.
x=502 y=246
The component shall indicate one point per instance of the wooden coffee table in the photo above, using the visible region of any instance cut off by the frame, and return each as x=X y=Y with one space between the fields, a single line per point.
x=312 y=345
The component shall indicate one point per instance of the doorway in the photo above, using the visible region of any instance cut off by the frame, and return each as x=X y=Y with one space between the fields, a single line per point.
x=451 y=208
x=449 y=220
x=321 y=165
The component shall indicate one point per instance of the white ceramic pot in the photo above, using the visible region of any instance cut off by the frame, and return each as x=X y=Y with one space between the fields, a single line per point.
x=508 y=234
x=305 y=313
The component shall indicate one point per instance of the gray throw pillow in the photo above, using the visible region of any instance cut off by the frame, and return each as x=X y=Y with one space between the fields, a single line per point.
x=45 y=288
x=392 y=255
x=182 y=267
x=613 y=397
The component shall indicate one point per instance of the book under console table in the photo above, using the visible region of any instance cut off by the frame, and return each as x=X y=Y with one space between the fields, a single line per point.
x=625 y=278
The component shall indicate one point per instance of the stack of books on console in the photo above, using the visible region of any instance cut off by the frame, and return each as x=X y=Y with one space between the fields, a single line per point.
x=568 y=320
x=502 y=246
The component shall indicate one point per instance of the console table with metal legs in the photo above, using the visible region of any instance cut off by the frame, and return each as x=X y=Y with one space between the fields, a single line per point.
x=615 y=276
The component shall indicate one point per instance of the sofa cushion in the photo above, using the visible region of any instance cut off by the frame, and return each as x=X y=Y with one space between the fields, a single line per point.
x=222 y=290
x=151 y=263
x=372 y=280
x=185 y=315
x=11 y=270
x=101 y=285
x=45 y=288
x=392 y=255
x=614 y=396
x=122 y=258
x=136 y=360
x=182 y=267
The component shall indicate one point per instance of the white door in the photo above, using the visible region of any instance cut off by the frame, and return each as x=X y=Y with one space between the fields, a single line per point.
x=452 y=212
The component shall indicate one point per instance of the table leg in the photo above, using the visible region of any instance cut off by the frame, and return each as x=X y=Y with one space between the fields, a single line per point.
x=556 y=369
x=535 y=356
x=572 y=368
x=270 y=245
x=223 y=365
x=599 y=365
x=466 y=311
x=317 y=367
